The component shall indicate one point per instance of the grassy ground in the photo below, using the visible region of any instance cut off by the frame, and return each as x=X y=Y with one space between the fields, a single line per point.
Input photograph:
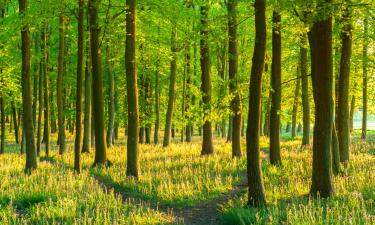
x=177 y=179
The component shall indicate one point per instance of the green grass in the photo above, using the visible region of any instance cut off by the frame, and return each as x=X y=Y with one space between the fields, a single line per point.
x=178 y=177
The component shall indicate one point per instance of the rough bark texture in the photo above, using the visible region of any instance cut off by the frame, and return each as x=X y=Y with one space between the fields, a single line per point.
x=207 y=146
x=98 y=101
x=131 y=78
x=233 y=76
x=31 y=162
x=343 y=132
x=77 y=143
x=59 y=85
x=305 y=91
x=275 y=155
x=256 y=195
x=364 y=68
x=320 y=38
x=171 y=98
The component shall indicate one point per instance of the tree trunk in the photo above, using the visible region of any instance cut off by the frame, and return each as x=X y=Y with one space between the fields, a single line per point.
x=364 y=68
x=31 y=162
x=172 y=84
x=188 y=102
x=351 y=117
x=335 y=151
x=88 y=94
x=305 y=91
x=275 y=156
x=233 y=78
x=2 y=147
x=15 y=124
x=207 y=146
x=295 y=107
x=77 y=143
x=230 y=126
x=131 y=79
x=157 y=106
x=148 y=109
x=256 y=195
x=320 y=38
x=98 y=101
x=40 y=109
x=59 y=85
x=46 y=90
x=111 y=100
x=343 y=132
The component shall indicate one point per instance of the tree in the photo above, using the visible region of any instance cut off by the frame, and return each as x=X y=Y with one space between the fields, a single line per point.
x=364 y=69
x=31 y=161
x=132 y=91
x=275 y=156
x=295 y=106
x=320 y=39
x=77 y=143
x=2 y=147
x=44 y=37
x=59 y=84
x=233 y=76
x=256 y=195
x=305 y=91
x=207 y=146
x=343 y=92
x=172 y=84
x=97 y=101
x=111 y=99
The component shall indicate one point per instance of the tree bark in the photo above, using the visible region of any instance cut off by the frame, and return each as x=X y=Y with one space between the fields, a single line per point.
x=320 y=38
x=233 y=78
x=256 y=195
x=132 y=92
x=2 y=147
x=275 y=156
x=77 y=143
x=46 y=88
x=335 y=151
x=15 y=124
x=157 y=106
x=295 y=107
x=111 y=100
x=40 y=109
x=59 y=84
x=172 y=84
x=364 y=69
x=88 y=94
x=31 y=161
x=98 y=101
x=351 y=117
x=207 y=146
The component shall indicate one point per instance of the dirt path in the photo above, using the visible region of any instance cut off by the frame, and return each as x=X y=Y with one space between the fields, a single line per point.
x=207 y=212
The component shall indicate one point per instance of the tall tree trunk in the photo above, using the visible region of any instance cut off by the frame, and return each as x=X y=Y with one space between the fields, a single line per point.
x=77 y=143
x=40 y=109
x=256 y=195
x=335 y=151
x=295 y=107
x=131 y=79
x=59 y=84
x=88 y=94
x=233 y=78
x=207 y=146
x=352 y=109
x=148 y=109
x=230 y=127
x=172 y=84
x=157 y=106
x=15 y=124
x=35 y=86
x=111 y=100
x=305 y=91
x=320 y=38
x=364 y=67
x=46 y=90
x=188 y=102
x=343 y=132
x=98 y=101
x=275 y=156
x=31 y=161
x=2 y=147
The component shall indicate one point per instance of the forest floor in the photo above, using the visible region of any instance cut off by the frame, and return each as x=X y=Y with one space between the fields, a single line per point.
x=178 y=186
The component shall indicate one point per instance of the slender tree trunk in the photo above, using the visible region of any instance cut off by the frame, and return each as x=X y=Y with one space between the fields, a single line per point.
x=15 y=124
x=351 y=117
x=40 y=109
x=131 y=79
x=31 y=161
x=59 y=84
x=2 y=125
x=295 y=107
x=230 y=126
x=256 y=195
x=148 y=109
x=233 y=78
x=335 y=151
x=275 y=156
x=98 y=101
x=77 y=143
x=364 y=68
x=157 y=106
x=320 y=38
x=111 y=100
x=172 y=84
x=35 y=86
x=88 y=86
x=207 y=146
x=188 y=128
x=305 y=91
x=46 y=90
